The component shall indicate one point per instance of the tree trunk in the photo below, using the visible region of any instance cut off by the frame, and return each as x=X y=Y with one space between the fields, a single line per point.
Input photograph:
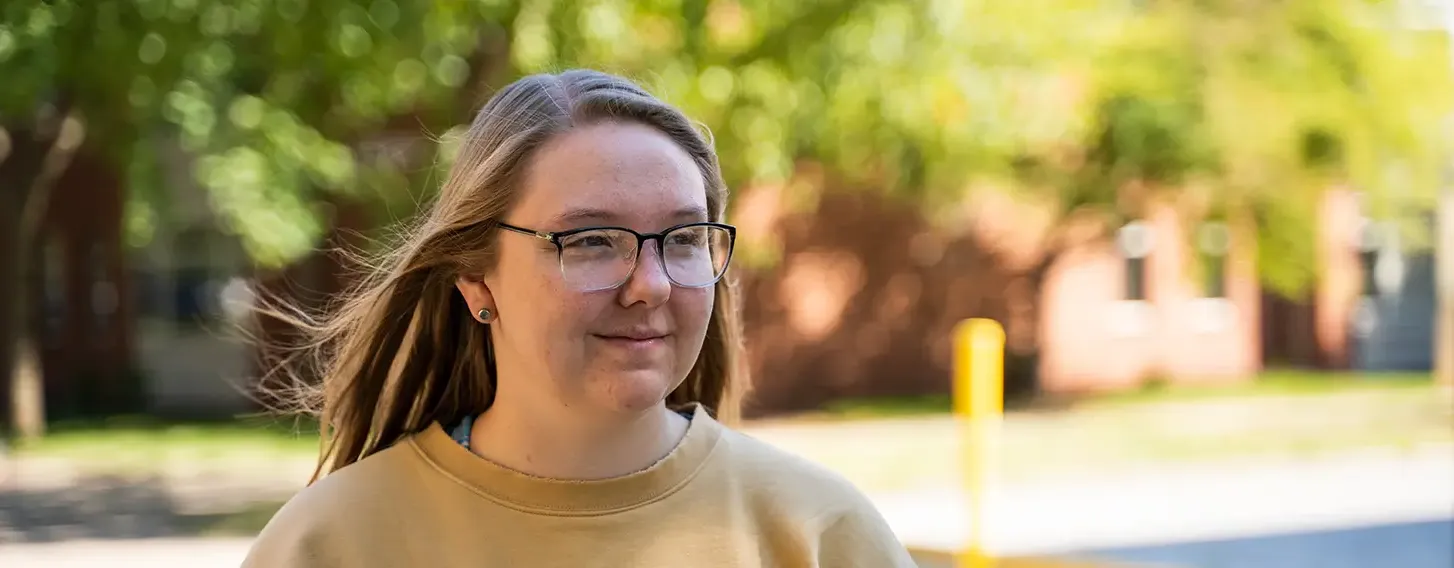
x=27 y=384
x=29 y=168
x=23 y=392
x=11 y=318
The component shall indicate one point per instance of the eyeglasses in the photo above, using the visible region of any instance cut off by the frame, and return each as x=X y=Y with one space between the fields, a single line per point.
x=693 y=255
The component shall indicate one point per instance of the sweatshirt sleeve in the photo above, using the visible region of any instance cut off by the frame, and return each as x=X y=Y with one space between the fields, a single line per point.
x=289 y=553
x=294 y=538
x=861 y=538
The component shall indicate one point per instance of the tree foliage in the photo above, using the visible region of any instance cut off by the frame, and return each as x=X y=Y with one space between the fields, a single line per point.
x=1247 y=110
x=269 y=99
x=1243 y=109
x=1266 y=106
x=1247 y=107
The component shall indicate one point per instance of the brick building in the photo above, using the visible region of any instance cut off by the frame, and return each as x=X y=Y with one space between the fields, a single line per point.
x=844 y=311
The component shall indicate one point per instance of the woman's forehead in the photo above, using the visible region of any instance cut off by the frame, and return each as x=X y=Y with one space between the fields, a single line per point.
x=622 y=174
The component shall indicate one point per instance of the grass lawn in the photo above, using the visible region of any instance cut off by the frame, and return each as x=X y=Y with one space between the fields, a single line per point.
x=140 y=445
x=132 y=444
x=881 y=445
x=1282 y=415
x=1268 y=384
x=1274 y=383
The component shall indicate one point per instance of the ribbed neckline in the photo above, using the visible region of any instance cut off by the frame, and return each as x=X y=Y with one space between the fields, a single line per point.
x=569 y=497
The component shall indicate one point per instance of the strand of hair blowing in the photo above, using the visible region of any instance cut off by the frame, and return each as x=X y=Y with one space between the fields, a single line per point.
x=399 y=352
x=400 y=349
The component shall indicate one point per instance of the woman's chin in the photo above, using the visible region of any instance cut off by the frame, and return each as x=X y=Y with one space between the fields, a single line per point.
x=634 y=391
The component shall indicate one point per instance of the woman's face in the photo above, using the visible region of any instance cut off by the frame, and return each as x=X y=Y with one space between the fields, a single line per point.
x=620 y=349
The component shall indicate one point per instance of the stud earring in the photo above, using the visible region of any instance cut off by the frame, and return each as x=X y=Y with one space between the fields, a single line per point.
x=484 y=314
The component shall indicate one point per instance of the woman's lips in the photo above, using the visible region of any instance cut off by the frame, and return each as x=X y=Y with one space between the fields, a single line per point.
x=633 y=343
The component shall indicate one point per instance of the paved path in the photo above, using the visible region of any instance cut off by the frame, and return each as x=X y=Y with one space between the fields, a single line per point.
x=1322 y=511
x=133 y=553
x=1206 y=515
x=1404 y=545
x=1393 y=510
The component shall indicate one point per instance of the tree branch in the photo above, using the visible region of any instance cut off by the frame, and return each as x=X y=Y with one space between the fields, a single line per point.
x=71 y=132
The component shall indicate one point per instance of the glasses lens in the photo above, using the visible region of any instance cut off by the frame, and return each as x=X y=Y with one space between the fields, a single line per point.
x=696 y=256
x=597 y=260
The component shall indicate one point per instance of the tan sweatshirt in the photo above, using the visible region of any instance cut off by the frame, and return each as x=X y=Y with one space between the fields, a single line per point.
x=721 y=499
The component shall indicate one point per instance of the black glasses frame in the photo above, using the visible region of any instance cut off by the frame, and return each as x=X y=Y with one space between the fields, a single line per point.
x=641 y=239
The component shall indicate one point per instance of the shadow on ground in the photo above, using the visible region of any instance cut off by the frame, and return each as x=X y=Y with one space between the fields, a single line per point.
x=120 y=508
x=1428 y=544
x=1425 y=544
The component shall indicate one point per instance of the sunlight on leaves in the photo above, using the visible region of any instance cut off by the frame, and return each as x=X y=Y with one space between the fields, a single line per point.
x=1259 y=106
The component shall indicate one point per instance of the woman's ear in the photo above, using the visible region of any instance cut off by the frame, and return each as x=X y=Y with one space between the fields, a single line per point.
x=477 y=294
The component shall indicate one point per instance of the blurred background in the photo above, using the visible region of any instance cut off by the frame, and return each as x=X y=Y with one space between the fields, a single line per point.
x=1218 y=234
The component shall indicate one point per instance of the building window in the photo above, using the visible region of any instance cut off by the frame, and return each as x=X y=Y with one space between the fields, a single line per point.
x=189 y=299
x=1368 y=241
x=1135 y=242
x=1214 y=242
x=1381 y=259
x=1367 y=260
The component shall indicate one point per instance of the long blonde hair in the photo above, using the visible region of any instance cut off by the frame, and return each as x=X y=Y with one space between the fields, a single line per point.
x=400 y=350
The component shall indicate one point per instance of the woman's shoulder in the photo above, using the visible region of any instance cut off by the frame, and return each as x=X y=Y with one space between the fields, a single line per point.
x=788 y=475
x=337 y=507
x=386 y=468
x=847 y=525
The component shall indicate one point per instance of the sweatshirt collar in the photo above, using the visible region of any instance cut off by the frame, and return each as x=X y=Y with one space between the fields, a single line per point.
x=572 y=497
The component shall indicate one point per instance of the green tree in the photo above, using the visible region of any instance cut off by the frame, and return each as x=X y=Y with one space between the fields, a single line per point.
x=1245 y=111
x=282 y=105
x=1249 y=110
x=1258 y=109
x=272 y=99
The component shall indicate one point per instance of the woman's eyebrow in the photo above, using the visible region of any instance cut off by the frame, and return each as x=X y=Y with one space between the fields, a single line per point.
x=578 y=215
x=572 y=216
x=691 y=212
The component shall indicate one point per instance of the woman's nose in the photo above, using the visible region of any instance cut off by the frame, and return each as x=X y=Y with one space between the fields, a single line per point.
x=648 y=283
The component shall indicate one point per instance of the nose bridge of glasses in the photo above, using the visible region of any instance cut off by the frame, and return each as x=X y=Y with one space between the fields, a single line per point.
x=643 y=242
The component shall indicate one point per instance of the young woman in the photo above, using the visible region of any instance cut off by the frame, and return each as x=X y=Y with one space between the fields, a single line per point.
x=539 y=375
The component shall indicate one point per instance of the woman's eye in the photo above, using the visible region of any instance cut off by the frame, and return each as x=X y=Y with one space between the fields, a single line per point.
x=686 y=239
x=590 y=241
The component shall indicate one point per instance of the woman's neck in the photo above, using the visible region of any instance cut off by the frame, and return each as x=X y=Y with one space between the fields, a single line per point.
x=561 y=444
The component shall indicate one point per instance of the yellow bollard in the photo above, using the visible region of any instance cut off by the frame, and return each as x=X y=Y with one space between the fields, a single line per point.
x=979 y=376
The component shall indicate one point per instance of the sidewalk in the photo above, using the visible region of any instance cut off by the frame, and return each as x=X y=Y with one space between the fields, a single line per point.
x=131 y=553
x=1077 y=482
x=943 y=560
x=1080 y=520
x=1180 y=504
x=901 y=454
